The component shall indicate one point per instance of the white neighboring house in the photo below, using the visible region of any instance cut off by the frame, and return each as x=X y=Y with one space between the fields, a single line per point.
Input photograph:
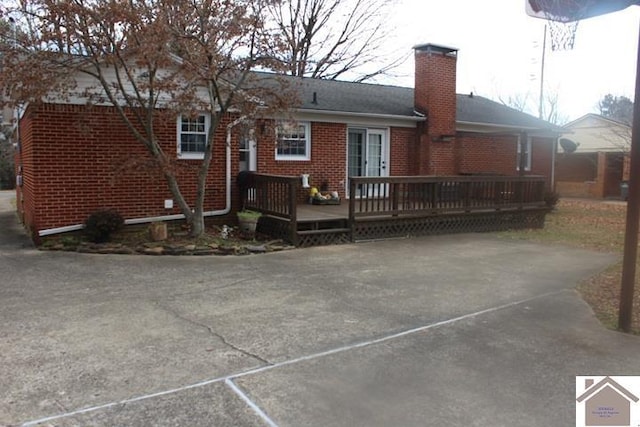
x=597 y=164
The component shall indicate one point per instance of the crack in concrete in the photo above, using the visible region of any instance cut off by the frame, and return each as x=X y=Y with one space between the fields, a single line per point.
x=60 y=405
x=216 y=334
x=213 y=288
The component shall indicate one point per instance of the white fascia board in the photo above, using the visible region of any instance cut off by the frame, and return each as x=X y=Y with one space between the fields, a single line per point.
x=387 y=120
x=506 y=129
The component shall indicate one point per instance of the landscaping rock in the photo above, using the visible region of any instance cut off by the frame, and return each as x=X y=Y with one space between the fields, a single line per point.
x=136 y=244
x=279 y=246
x=157 y=250
x=256 y=249
x=117 y=250
x=176 y=250
x=203 y=251
x=225 y=250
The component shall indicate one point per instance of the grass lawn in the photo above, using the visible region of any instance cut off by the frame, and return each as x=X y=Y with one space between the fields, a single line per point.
x=593 y=225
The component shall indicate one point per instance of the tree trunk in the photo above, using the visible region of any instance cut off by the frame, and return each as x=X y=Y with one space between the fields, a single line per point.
x=197 y=218
x=197 y=225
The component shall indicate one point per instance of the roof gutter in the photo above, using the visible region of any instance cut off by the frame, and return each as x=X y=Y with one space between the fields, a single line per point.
x=145 y=220
x=370 y=115
x=507 y=127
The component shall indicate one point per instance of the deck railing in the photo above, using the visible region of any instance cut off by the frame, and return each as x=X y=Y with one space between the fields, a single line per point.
x=273 y=195
x=401 y=199
x=420 y=195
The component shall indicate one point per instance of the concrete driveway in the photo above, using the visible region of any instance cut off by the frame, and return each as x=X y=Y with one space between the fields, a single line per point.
x=462 y=330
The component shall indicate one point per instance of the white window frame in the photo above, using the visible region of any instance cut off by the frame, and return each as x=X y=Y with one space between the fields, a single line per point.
x=199 y=155
x=307 y=135
x=527 y=166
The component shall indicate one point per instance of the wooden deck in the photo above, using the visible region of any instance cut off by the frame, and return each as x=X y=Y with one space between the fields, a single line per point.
x=310 y=213
x=397 y=206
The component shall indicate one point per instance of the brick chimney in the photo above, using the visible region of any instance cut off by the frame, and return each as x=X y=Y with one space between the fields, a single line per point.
x=435 y=96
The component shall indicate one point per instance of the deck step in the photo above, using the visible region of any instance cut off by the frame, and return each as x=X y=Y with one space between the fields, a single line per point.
x=324 y=231
x=331 y=224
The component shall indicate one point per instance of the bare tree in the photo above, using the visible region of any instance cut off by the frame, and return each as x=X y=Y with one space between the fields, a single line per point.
x=330 y=39
x=150 y=60
x=548 y=109
x=617 y=134
x=517 y=101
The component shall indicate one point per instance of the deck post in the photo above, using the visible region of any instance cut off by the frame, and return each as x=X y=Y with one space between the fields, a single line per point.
x=293 y=213
x=352 y=208
x=466 y=194
x=395 y=194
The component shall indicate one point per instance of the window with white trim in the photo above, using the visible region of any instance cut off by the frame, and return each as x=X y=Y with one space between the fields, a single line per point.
x=527 y=153
x=293 y=141
x=192 y=136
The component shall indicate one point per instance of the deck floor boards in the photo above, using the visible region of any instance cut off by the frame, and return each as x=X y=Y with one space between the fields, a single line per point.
x=310 y=213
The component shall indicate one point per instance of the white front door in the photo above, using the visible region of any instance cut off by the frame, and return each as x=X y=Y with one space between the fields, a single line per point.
x=368 y=154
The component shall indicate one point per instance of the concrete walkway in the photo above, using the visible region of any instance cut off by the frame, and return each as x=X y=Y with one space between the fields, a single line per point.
x=463 y=330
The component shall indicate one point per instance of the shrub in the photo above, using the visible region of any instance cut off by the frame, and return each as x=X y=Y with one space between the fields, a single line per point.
x=100 y=224
x=551 y=199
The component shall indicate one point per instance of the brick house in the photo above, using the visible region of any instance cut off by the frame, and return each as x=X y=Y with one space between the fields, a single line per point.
x=598 y=162
x=72 y=159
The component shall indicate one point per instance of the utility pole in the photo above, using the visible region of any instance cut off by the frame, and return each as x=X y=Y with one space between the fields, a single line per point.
x=629 y=259
x=544 y=54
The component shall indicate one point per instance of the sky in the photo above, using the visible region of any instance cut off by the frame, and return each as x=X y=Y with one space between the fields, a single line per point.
x=500 y=51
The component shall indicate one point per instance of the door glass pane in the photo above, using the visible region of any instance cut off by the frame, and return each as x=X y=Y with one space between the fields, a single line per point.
x=374 y=155
x=355 y=155
x=356 y=152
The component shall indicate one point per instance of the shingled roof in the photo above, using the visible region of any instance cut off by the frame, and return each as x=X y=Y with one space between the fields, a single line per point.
x=364 y=98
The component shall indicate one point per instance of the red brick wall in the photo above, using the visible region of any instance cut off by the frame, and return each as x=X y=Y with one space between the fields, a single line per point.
x=442 y=158
x=542 y=158
x=76 y=160
x=499 y=155
x=25 y=198
x=488 y=154
x=403 y=141
x=328 y=156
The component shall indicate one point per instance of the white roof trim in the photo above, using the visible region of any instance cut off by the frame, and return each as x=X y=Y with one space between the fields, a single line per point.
x=495 y=127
